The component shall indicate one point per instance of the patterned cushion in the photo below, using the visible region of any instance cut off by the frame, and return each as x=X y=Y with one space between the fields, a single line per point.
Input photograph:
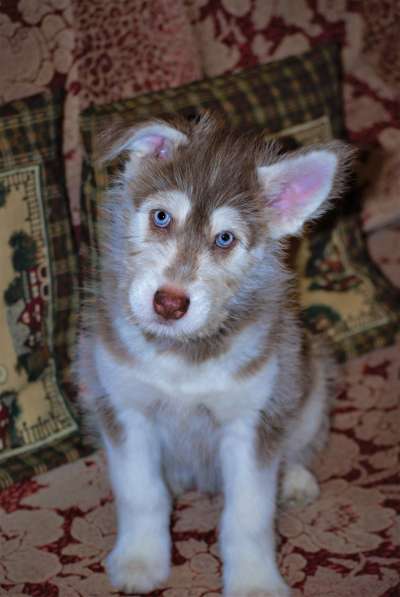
x=272 y=97
x=298 y=100
x=342 y=293
x=38 y=424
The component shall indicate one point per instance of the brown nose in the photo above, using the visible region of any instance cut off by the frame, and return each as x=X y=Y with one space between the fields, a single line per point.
x=170 y=303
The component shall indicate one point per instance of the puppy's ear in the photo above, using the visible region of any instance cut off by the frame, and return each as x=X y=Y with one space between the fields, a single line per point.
x=156 y=139
x=299 y=187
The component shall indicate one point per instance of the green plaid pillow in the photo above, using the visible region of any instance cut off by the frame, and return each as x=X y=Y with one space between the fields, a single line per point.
x=298 y=100
x=273 y=97
x=38 y=424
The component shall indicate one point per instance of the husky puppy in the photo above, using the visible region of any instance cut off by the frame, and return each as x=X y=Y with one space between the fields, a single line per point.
x=191 y=357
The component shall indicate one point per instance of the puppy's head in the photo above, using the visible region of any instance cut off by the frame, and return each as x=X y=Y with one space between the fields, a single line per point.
x=193 y=224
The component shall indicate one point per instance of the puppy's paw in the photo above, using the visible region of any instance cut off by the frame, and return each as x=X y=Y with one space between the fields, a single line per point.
x=299 y=486
x=260 y=580
x=137 y=570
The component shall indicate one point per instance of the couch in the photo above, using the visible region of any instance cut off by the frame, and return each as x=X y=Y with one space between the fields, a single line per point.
x=56 y=527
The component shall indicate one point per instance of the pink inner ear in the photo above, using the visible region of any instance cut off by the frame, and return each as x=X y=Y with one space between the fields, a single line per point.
x=159 y=147
x=297 y=191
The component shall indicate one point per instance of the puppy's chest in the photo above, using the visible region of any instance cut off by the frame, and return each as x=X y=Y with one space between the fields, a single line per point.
x=183 y=379
x=213 y=385
x=156 y=377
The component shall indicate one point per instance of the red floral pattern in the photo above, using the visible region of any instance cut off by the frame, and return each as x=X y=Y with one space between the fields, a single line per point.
x=56 y=529
x=235 y=34
x=98 y=51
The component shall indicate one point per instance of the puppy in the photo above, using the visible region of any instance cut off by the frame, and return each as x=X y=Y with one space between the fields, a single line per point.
x=191 y=356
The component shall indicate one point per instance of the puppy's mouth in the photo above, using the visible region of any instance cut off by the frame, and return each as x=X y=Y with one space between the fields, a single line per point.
x=166 y=329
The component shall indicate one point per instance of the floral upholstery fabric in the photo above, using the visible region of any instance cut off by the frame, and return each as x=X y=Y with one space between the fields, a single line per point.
x=56 y=529
x=235 y=34
x=98 y=51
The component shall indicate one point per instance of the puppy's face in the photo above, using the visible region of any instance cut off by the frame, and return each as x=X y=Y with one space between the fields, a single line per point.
x=196 y=219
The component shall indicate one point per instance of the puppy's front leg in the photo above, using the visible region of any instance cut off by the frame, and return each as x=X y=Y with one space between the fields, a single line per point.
x=247 y=529
x=140 y=560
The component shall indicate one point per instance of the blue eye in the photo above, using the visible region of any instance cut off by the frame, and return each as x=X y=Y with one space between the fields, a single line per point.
x=224 y=239
x=161 y=218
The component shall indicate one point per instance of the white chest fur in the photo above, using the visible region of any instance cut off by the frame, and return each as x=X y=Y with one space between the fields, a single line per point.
x=184 y=386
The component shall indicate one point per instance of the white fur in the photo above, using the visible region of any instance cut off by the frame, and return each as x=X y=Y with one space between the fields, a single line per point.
x=207 y=404
x=299 y=486
x=247 y=543
x=140 y=141
x=166 y=377
x=228 y=218
x=140 y=559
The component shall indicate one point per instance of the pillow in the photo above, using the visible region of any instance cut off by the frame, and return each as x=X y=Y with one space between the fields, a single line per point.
x=300 y=93
x=342 y=293
x=297 y=100
x=39 y=427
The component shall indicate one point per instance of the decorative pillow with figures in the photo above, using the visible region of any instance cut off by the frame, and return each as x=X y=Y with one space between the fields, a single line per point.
x=39 y=427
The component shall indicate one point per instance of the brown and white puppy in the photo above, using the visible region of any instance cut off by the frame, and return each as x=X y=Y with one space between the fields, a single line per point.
x=191 y=354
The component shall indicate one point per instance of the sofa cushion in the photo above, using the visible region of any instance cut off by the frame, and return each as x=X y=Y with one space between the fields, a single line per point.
x=39 y=426
x=298 y=101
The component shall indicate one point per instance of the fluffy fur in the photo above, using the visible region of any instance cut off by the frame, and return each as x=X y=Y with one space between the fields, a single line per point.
x=231 y=396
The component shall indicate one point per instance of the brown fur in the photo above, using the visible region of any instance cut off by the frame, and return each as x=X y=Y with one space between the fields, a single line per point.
x=108 y=420
x=274 y=424
x=110 y=338
x=267 y=349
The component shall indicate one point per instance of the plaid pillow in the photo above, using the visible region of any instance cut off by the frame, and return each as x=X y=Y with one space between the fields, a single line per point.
x=298 y=100
x=272 y=97
x=38 y=424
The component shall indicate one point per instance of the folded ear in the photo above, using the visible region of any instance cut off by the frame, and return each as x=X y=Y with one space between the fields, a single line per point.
x=154 y=139
x=298 y=188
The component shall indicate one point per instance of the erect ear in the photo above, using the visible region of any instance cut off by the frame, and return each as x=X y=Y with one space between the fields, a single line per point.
x=153 y=139
x=298 y=187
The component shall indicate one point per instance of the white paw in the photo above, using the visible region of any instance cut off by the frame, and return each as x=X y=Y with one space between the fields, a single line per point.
x=299 y=486
x=254 y=577
x=138 y=570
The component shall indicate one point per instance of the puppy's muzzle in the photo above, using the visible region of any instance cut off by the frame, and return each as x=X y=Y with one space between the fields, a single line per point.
x=170 y=303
